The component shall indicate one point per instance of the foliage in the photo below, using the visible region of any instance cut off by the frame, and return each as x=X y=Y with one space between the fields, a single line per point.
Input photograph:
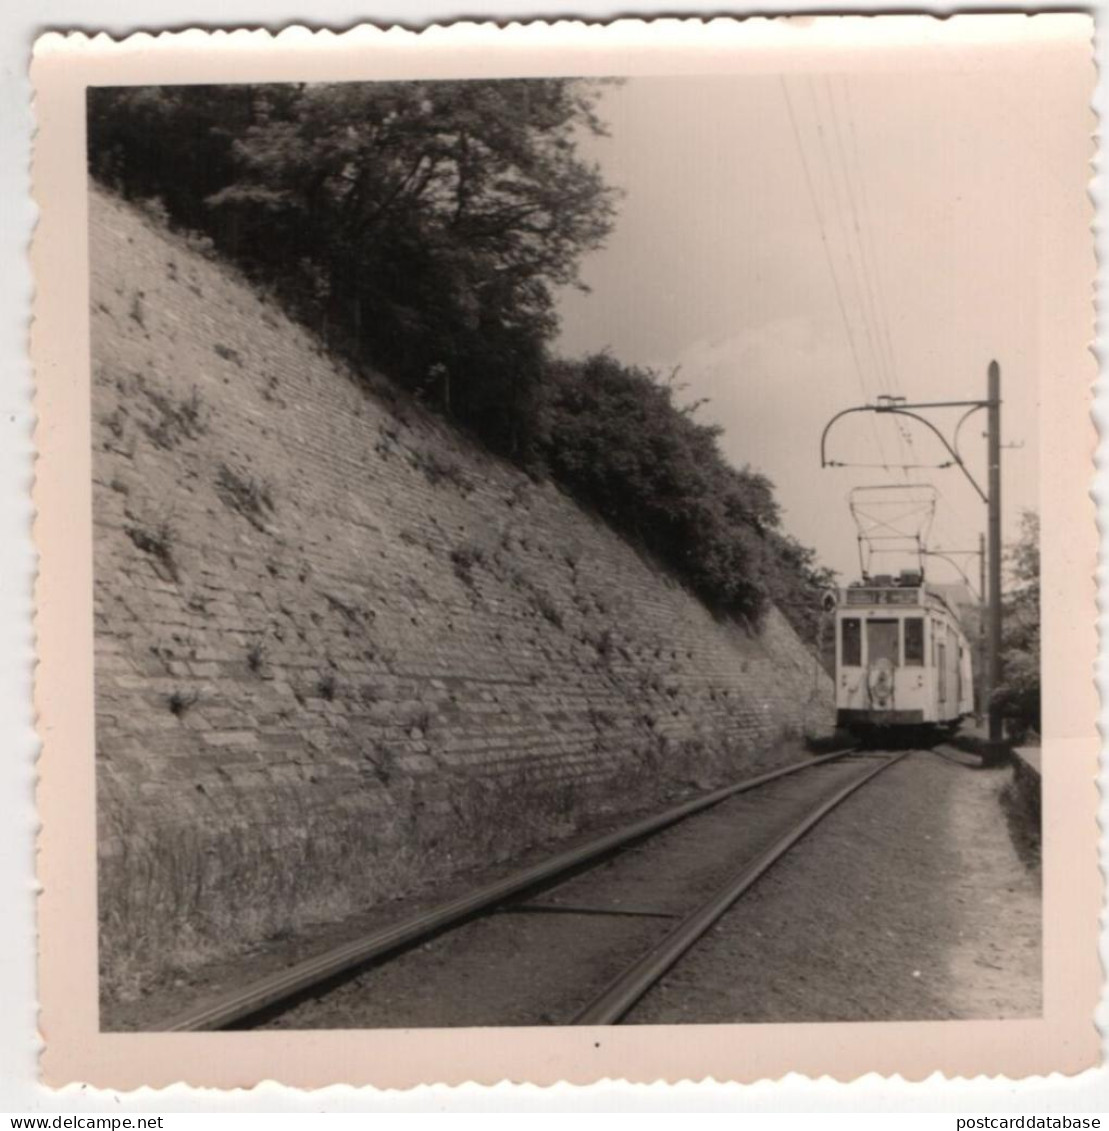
x=1019 y=692
x=614 y=436
x=419 y=226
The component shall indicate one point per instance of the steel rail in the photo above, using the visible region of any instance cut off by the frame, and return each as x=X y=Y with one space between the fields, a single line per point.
x=250 y=1000
x=609 y=1006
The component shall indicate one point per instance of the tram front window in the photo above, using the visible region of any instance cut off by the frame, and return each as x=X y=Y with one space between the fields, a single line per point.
x=883 y=641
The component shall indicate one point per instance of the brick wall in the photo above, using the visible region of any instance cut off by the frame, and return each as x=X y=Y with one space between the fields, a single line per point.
x=325 y=618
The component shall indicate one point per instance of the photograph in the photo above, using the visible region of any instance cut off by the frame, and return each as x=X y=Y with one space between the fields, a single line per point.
x=565 y=542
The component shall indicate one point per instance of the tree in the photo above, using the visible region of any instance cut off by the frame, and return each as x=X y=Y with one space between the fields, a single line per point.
x=1019 y=693
x=615 y=438
x=419 y=226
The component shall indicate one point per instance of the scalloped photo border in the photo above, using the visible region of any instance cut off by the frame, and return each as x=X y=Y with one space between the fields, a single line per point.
x=1063 y=1040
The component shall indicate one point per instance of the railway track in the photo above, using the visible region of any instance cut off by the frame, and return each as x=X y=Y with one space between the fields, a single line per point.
x=255 y=1003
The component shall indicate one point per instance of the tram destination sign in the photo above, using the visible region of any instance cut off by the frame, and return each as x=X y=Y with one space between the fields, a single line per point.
x=883 y=596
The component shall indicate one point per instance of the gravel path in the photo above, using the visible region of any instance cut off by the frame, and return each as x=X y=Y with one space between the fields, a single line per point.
x=909 y=902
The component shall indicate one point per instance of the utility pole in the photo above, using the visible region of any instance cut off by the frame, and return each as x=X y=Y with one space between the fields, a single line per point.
x=991 y=562
x=983 y=668
x=993 y=430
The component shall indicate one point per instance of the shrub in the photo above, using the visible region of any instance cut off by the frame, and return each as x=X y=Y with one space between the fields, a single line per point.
x=614 y=436
x=1018 y=696
x=438 y=469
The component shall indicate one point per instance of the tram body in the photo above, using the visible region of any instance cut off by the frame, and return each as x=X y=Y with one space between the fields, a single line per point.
x=902 y=658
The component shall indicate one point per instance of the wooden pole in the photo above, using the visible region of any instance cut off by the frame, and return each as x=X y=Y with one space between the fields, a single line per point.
x=983 y=668
x=993 y=402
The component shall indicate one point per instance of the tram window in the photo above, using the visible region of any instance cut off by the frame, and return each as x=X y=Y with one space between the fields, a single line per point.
x=851 y=643
x=914 y=642
x=883 y=641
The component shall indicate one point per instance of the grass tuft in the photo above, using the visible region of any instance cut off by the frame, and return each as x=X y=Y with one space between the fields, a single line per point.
x=256 y=656
x=176 y=420
x=249 y=497
x=157 y=539
x=464 y=558
x=180 y=701
x=544 y=604
x=442 y=469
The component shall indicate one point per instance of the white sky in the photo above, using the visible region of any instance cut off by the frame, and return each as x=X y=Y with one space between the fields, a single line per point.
x=958 y=175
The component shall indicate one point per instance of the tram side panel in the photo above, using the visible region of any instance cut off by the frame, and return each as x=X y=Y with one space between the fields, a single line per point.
x=953 y=675
x=966 y=701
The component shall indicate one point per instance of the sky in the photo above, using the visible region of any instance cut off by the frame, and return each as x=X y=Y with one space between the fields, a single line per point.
x=798 y=243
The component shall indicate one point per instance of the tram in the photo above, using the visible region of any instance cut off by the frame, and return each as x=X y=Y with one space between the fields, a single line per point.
x=903 y=662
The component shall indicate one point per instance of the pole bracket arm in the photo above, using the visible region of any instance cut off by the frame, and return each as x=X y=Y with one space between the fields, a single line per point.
x=898 y=410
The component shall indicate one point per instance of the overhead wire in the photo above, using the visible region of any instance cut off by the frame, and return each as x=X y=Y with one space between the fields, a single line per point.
x=836 y=285
x=835 y=155
x=880 y=290
x=955 y=508
x=886 y=466
x=865 y=288
x=864 y=231
x=852 y=267
x=871 y=287
x=861 y=272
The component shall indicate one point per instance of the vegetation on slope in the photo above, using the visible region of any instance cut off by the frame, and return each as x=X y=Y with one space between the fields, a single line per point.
x=615 y=438
x=1019 y=694
x=422 y=228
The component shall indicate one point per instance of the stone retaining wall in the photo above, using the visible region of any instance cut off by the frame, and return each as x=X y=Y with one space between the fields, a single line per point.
x=326 y=623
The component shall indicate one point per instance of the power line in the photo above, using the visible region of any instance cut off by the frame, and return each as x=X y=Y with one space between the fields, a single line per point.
x=882 y=311
x=827 y=250
x=866 y=291
x=836 y=207
x=865 y=236
x=868 y=262
x=856 y=264
x=890 y=466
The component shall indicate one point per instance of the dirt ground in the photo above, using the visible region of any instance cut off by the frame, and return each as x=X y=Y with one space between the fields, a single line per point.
x=913 y=900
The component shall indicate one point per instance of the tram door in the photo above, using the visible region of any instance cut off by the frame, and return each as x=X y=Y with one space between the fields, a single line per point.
x=941 y=678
